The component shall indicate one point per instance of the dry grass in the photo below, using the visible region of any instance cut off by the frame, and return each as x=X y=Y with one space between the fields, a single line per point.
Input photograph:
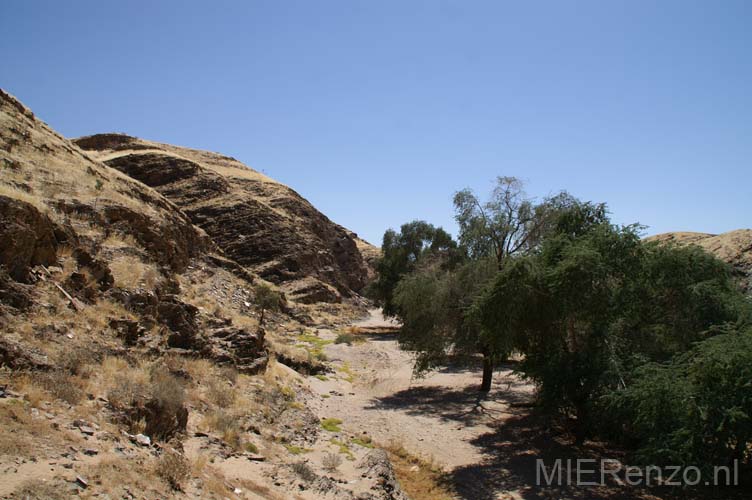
x=113 y=475
x=23 y=434
x=421 y=479
x=131 y=272
x=18 y=194
x=226 y=424
x=331 y=461
x=220 y=392
x=173 y=468
x=120 y=240
x=36 y=489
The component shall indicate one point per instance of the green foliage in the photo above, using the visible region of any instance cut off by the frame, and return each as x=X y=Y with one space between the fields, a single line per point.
x=297 y=450
x=433 y=303
x=595 y=304
x=331 y=424
x=696 y=409
x=267 y=299
x=347 y=338
x=416 y=242
x=508 y=223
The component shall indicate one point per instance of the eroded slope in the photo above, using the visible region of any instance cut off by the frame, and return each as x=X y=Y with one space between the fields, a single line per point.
x=261 y=223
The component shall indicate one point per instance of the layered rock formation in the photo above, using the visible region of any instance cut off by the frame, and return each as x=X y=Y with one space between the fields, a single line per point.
x=258 y=222
x=68 y=222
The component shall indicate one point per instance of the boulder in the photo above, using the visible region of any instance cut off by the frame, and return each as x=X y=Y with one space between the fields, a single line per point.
x=28 y=238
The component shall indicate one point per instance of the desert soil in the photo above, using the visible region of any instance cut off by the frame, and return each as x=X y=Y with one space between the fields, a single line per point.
x=441 y=417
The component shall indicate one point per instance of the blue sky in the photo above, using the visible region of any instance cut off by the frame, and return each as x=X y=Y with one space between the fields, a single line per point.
x=378 y=111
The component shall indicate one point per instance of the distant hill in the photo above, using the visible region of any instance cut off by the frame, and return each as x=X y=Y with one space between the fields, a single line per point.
x=733 y=247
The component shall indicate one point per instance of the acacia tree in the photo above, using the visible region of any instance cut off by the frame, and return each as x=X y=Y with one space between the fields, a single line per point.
x=595 y=303
x=403 y=251
x=267 y=299
x=432 y=302
x=508 y=224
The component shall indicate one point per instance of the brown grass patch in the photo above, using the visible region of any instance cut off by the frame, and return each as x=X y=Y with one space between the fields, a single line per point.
x=173 y=468
x=131 y=272
x=421 y=479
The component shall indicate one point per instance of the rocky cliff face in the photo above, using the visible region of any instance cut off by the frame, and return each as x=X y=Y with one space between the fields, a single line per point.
x=263 y=225
x=733 y=247
x=77 y=235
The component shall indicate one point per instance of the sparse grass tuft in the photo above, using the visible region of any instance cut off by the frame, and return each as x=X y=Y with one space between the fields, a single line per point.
x=130 y=272
x=37 y=489
x=347 y=371
x=331 y=461
x=344 y=449
x=349 y=339
x=331 y=424
x=297 y=450
x=304 y=471
x=363 y=441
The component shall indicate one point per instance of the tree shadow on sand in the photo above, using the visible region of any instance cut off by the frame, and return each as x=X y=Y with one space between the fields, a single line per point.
x=516 y=444
x=465 y=405
x=521 y=436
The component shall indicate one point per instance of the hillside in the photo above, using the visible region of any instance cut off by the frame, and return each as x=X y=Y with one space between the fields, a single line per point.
x=733 y=247
x=134 y=360
x=260 y=223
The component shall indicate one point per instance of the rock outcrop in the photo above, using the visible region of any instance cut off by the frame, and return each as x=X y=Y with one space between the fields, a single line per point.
x=263 y=225
x=67 y=220
x=733 y=247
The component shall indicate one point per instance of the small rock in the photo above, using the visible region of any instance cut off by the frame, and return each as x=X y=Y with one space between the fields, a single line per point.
x=85 y=429
x=68 y=465
x=91 y=452
x=255 y=457
x=237 y=491
x=142 y=440
x=82 y=482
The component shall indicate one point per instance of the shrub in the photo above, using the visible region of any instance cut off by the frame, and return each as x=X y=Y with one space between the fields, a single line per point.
x=173 y=468
x=61 y=385
x=220 y=392
x=695 y=410
x=345 y=338
x=331 y=461
x=304 y=471
x=166 y=414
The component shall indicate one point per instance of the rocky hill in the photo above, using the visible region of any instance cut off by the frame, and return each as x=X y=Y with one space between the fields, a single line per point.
x=733 y=247
x=138 y=358
x=260 y=223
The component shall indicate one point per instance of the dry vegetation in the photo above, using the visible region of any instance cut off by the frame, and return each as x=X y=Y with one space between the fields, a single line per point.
x=131 y=272
x=421 y=479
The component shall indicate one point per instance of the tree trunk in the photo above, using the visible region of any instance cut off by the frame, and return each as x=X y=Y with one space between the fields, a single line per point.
x=580 y=425
x=488 y=367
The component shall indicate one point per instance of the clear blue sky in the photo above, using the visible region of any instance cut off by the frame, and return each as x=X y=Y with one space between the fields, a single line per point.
x=378 y=111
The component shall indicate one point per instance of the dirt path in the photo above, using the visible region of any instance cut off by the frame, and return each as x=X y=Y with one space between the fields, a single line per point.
x=440 y=417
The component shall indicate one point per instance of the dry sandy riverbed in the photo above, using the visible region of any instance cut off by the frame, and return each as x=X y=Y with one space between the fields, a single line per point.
x=440 y=417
